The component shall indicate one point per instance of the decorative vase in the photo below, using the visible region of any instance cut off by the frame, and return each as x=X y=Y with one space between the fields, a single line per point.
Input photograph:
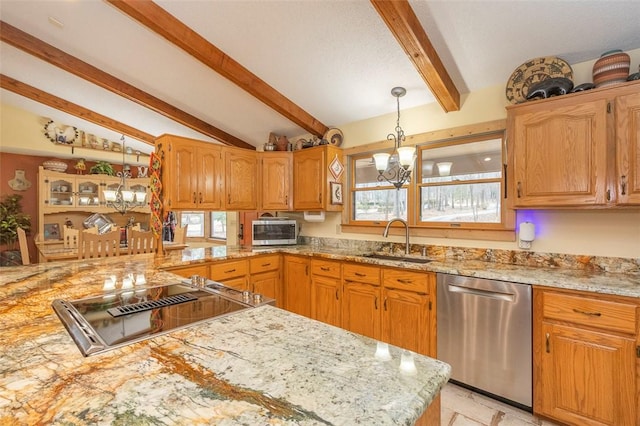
x=612 y=68
x=282 y=144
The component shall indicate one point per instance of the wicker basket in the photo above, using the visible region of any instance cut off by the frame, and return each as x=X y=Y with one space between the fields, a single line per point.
x=612 y=68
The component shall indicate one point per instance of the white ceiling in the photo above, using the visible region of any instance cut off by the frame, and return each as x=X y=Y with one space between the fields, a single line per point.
x=336 y=59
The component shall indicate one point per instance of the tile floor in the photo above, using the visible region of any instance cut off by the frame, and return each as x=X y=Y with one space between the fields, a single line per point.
x=462 y=407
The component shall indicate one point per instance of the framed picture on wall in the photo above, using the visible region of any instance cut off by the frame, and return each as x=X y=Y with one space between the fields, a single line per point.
x=52 y=231
x=336 y=192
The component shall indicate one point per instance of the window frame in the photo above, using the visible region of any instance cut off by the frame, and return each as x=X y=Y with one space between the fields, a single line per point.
x=503 y=231
x=422 y=149
x=384 y=186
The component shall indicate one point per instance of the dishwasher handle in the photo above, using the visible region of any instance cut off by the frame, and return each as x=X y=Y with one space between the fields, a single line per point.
x=508 y=297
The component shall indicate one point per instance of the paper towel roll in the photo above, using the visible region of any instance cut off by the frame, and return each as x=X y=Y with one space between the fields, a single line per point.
x=527 y=231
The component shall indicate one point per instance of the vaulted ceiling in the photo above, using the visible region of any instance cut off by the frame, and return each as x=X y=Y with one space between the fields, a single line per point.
x=235 y=71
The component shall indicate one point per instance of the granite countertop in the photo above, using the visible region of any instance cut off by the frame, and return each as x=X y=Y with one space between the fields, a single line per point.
x=258 y=366
x=621 y=284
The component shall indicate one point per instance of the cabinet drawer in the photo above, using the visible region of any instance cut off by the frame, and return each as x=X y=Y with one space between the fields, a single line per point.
x=360 y=273
x=264 y=263
x=326 y=268
x=406 y=280
x=605 y=314
x=188 y=271
x=223 y=271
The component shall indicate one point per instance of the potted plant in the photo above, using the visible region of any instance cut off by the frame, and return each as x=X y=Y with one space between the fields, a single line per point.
x=12 y=218
x=102 y=168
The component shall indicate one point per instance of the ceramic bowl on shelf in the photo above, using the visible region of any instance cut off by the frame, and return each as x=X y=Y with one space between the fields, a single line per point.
x=55 y=165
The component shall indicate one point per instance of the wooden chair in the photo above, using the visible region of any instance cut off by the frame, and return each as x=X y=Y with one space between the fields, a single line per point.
x=180 y=234
x=92 y=245
x=141 y=242
x=70 y=237
x=92 y=230
x=24 y=248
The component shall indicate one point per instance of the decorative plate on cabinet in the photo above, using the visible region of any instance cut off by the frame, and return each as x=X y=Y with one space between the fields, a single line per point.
x=334 y=136
x=534 y=71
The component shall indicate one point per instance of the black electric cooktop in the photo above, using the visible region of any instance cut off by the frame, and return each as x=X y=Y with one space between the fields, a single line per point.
x=114 y=319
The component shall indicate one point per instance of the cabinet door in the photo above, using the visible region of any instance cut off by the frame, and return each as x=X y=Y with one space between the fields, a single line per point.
x=586 y=377
x=405 y=320
x=308 y=179
x=560 y=155
x=59 y=192
x=267 y=284
x=183 y=186
x=209 y=173
x=628 y=148
x=241 y=180
x=325 y=300
x=361 y=309
x=297 y=285
x=276 y=181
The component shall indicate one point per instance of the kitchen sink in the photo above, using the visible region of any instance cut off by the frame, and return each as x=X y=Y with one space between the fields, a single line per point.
x=397 y=258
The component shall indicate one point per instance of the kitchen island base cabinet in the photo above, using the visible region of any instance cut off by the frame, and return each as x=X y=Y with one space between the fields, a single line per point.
x=586 y=358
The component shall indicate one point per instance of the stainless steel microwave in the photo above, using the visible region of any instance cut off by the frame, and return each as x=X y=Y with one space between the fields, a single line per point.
x=274 y=232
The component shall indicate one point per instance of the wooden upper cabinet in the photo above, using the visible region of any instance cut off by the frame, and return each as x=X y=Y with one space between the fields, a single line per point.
x=312 y=178
x=562 y=150
x=192 y=173
x=628 y=149
x=275 y=181
x=241 y=179
x=209 y=169
x=560 y=154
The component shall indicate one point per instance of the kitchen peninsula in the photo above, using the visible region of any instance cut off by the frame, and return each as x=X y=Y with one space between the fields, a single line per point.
x=258 y=366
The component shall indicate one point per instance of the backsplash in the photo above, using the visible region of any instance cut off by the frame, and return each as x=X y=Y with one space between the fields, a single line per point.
x=513 y=257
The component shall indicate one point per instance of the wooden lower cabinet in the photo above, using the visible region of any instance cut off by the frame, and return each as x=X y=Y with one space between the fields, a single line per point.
x=586 y=358
x=297 y=285
x=361 y=308
x=408 y=311
x=326 y=291
x=232 y=273
x=265 y=277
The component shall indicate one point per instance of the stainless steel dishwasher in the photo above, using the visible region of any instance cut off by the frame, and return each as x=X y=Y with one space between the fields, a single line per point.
x=484 y=333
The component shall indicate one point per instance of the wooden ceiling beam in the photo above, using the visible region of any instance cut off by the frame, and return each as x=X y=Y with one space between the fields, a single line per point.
x=48 y=53
x=405 y=26
x=53 y=101
x=163 y=23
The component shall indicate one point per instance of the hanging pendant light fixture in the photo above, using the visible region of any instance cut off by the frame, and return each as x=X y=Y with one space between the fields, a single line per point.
x=123 y=199
x=396 y=168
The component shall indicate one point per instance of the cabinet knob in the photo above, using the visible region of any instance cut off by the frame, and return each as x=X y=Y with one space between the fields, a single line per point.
x=623 y=185
x=519 y=189
x=194 y=198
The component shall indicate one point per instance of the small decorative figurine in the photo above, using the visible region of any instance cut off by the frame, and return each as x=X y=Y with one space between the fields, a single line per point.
x=80 y=166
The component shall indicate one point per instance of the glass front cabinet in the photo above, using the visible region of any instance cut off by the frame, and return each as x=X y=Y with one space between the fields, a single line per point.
x=59 y=192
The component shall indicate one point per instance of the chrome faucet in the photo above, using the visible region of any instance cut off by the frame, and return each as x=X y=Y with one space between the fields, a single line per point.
x=406 y=227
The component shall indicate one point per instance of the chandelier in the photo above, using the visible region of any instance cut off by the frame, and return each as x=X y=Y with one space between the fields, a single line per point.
x=123 y=199
x=396 y=168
